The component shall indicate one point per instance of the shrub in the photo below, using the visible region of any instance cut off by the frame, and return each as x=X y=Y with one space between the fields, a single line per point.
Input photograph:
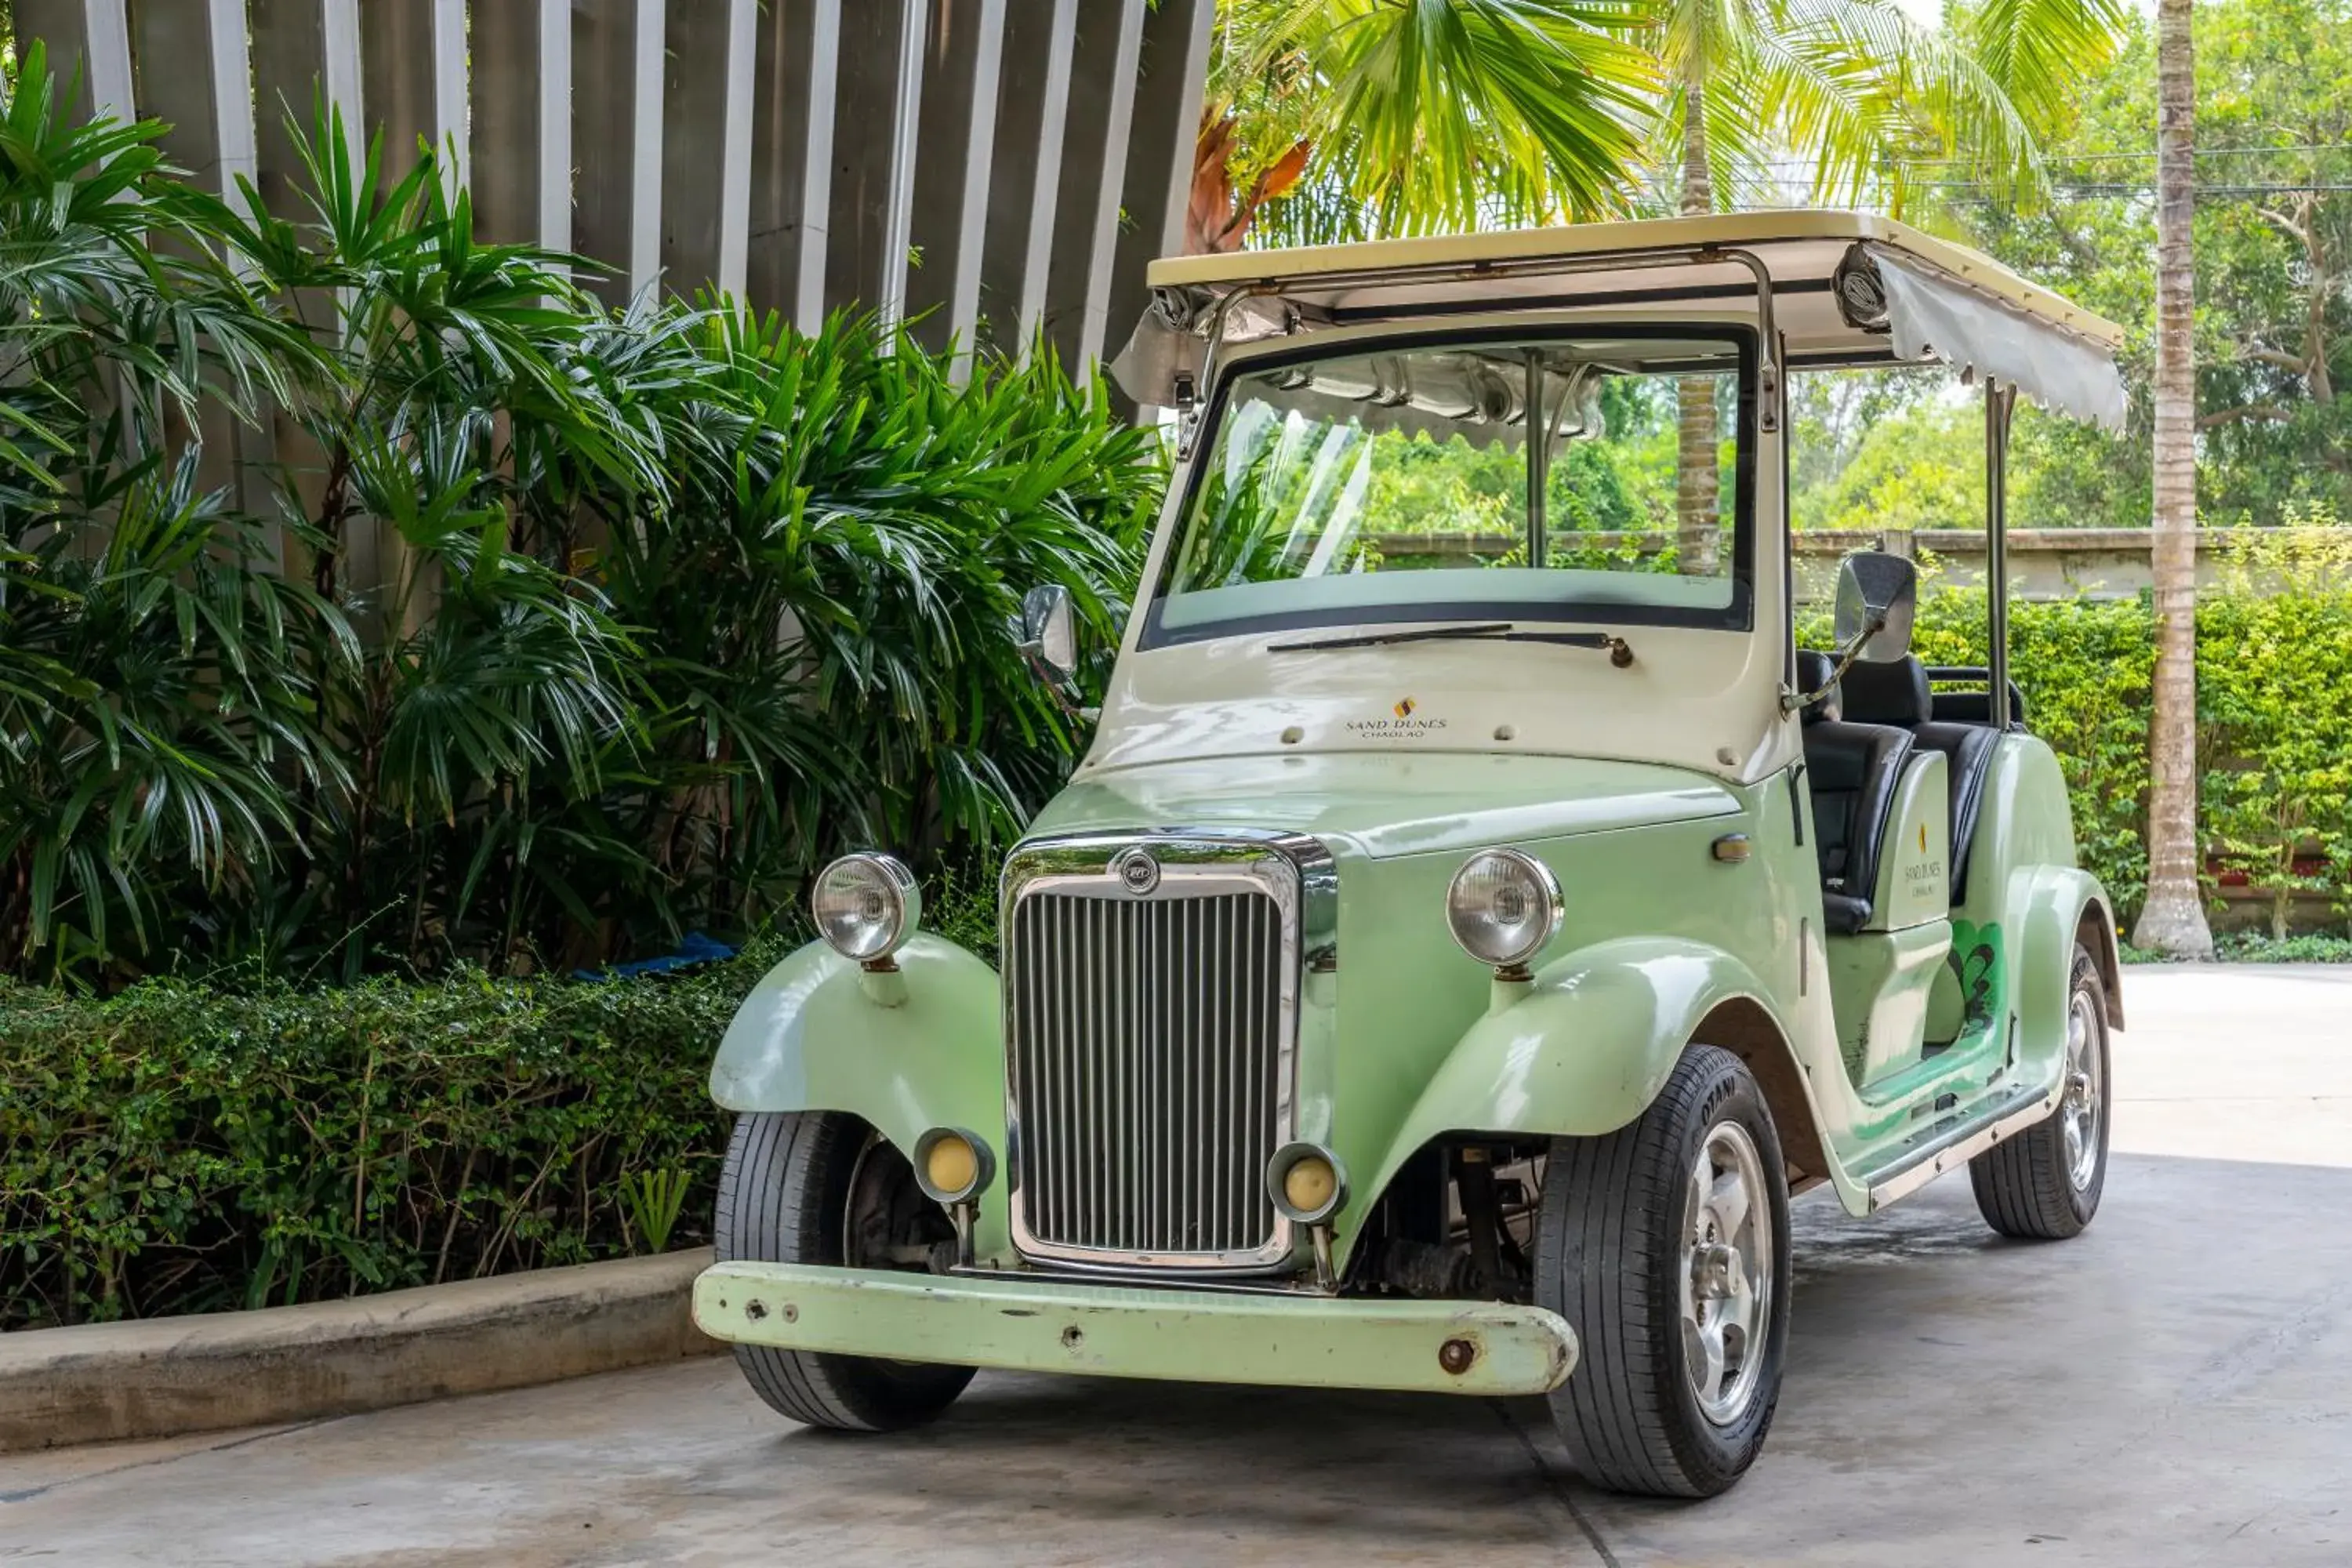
x=589 y=630
x=2086 y=668
x=2274 y=710
x=177 y=1148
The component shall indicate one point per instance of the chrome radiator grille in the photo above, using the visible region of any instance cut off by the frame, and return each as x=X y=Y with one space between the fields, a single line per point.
x=1147 y=1042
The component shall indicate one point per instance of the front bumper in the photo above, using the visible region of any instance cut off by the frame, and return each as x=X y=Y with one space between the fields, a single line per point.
x=1198 y=1336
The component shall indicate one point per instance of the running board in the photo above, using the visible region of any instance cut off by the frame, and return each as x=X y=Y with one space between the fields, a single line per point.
x=1915 y=1170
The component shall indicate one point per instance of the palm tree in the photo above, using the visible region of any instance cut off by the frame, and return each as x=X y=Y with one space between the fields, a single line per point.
x=1380 y=117
x=1385 y=117
x=1855 y=90
x=2173 y=919
x=1697 y=484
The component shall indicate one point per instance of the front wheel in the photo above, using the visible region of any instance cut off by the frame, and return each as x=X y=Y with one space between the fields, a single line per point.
x=815 y=1186
x=2045 y=1184
x=1665 y=1245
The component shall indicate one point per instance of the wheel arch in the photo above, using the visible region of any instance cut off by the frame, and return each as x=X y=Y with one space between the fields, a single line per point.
x=2095 y=929
x=1594 y=1038
x=1742 y=1026
x=2054 y=907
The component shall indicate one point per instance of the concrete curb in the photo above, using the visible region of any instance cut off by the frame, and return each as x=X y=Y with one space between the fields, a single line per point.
x=103 y=1382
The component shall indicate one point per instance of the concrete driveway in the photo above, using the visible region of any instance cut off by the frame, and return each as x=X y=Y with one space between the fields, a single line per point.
x=2173 y=1387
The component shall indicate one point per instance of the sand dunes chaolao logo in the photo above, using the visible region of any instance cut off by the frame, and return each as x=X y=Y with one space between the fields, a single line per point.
x=1401 y=726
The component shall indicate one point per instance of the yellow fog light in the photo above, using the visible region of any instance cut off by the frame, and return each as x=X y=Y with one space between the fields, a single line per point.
x=1306 y=1184
x=953 y=1165
x=1309 y=1183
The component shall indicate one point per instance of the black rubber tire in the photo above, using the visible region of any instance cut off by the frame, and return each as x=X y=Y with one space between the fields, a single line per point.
x=783 y=1199
x=2023 y=1186
x=1608 y=1253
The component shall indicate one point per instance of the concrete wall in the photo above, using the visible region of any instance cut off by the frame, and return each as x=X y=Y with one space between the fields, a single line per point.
x=1000 y=169
x=2043 y=562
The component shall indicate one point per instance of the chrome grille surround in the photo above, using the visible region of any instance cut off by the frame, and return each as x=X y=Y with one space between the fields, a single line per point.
x=1144 y=1147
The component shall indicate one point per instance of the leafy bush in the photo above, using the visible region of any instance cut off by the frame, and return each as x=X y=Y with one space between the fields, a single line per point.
x=179 y=1148
x=2274 y=710
x=2255 y=947
x=546 y=635
x=155 y=712
x=2086 y=668
x=2275 y=706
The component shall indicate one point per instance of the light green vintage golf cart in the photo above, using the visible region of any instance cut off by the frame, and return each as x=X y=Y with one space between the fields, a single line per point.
x=1461 y=938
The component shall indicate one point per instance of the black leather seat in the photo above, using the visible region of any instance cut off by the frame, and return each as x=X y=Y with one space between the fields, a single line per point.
x=1852 y=770
x=1898 y=694
x=1976 y=707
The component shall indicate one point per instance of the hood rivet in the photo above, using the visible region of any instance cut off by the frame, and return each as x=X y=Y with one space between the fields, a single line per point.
x=1505 y=733
x=1293 y=735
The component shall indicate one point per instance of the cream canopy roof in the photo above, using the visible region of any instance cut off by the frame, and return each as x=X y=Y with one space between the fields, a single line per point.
x=1942 y=303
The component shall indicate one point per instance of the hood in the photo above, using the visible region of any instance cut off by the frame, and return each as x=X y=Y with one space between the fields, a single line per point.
x=1387 y=804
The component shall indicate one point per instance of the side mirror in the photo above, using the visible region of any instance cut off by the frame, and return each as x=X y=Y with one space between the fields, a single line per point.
x=1877 y=597
x=1049 y=631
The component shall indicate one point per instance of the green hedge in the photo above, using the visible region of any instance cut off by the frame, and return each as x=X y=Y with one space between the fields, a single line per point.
x=2275 y=719
x=175 y=1149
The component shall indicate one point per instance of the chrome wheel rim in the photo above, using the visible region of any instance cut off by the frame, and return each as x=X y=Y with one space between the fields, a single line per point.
x=2083 y=1103
x=1727 y=1274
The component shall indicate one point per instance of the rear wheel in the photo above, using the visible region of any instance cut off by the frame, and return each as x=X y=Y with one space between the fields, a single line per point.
x=2045 y=1184
x=823 y=1187
x=1665 y=1245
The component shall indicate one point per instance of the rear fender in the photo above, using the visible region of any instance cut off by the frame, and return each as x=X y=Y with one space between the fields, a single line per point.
x=1593 y=1040
x=2056 y=906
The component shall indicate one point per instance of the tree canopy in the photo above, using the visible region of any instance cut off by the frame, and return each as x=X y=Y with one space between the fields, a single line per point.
x=2274 y=251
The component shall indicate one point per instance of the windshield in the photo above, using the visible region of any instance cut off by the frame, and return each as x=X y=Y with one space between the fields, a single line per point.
x=1381 y=483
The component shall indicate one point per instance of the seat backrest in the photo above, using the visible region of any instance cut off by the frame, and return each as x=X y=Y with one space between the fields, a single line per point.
x=1898 y=694
x=1967 y=752
x=1853 y=770
x=1972 y=707
x=1976 y=707
x=1895 y=692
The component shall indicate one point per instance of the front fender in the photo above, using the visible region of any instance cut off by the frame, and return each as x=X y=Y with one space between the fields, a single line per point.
x=908 y=1052
x=1584 y=1051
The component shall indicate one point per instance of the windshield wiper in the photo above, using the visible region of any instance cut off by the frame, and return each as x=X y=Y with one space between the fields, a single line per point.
x=1378 y=639
x=1619 y=652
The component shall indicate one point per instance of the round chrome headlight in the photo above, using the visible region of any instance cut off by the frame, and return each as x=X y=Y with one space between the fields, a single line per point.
x=866 y=906
x=1503 y=906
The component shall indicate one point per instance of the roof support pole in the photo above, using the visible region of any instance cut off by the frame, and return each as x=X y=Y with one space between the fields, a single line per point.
x=1171 y=81
x=2000 y=400
x=452 y=110
x=1538 y=430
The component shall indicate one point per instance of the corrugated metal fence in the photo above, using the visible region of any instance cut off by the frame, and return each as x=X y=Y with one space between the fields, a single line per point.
x=997 y=168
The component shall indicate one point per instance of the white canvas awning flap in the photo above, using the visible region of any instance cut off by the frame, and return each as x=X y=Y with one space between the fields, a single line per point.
x=1931 y=317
